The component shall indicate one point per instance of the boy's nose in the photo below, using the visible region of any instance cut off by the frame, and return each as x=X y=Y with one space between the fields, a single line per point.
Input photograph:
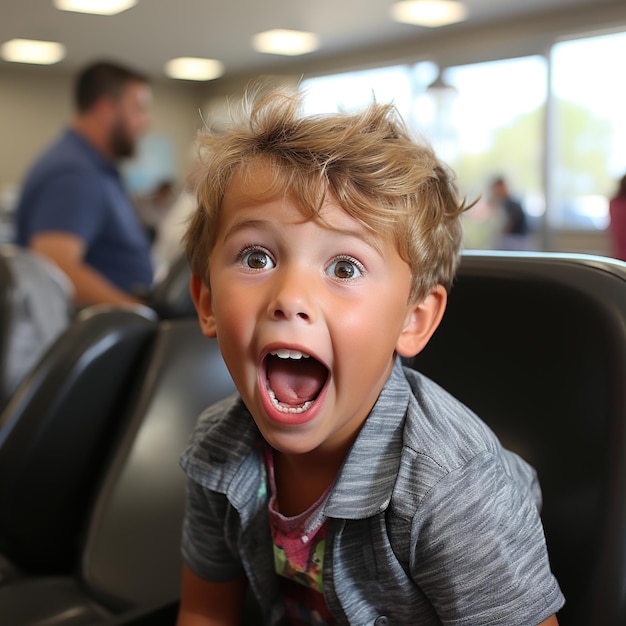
x=292 y=299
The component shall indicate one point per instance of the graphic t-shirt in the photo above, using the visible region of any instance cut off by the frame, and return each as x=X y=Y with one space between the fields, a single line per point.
x=299 y=544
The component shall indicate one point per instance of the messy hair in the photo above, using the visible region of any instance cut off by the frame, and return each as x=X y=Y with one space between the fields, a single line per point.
x=365 y=162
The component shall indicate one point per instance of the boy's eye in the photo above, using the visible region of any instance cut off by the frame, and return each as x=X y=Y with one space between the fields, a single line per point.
x=345 y=269
x=256 y=259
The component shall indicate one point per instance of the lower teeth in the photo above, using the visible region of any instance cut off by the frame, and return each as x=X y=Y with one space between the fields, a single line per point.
x=287 y=409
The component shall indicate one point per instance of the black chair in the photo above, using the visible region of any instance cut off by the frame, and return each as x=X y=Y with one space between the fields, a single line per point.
x=171 y=297
x=536 y=345
x=130 y=559
x=56 y=432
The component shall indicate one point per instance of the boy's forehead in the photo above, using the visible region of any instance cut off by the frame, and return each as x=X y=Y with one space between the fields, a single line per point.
x=256 y=183
x=260 y=181
x=243 y=208
x=251 y=180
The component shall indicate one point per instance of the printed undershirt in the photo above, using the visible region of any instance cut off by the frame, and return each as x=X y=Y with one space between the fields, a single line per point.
x=299 y=543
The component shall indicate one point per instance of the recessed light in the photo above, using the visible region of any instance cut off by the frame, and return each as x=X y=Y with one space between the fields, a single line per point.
x=96 y=7
x=194 y=68
x=286 y=42
x=431 y=13
x=32 y=51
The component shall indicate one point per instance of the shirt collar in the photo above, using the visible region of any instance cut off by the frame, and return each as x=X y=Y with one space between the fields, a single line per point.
x=366 y=479
x=365 y=482
x=90 y=152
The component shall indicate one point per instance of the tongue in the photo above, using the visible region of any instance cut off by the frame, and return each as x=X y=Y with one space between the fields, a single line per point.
x=295 y=381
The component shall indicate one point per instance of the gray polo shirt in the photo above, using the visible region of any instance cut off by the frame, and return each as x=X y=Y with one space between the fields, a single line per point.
x=430 y=520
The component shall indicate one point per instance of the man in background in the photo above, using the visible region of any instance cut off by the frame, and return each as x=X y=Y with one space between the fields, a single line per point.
x=514 y=222
x=73 y=208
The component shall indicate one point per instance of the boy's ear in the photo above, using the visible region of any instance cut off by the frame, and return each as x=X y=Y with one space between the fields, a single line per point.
x=422 y=321
x=201 y=296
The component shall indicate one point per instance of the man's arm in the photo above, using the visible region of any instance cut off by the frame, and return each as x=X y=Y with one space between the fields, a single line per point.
x=205 y=603
x=67 y=251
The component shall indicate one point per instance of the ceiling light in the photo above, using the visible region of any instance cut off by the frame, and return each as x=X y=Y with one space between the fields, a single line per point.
x=431 y=13
x=194 y=68
x=97 y=7
x=32 y=51
x=287 y=42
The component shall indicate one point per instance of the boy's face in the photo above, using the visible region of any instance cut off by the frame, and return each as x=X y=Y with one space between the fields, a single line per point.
x=308 y=318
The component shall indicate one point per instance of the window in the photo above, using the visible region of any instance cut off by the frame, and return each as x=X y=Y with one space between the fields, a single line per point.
x=354 y=90
x=588 y=129
x=559 y=144
x=495 y=129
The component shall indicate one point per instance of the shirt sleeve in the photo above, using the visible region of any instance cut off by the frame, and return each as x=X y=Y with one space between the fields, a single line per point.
x=71 y=202
x=479 y=551
x=205 y=547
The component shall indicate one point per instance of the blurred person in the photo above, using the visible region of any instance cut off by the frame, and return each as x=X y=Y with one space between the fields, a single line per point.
x=617 y=223
x=154 y=206
x=168 y=247
x=514 y=229
x=73 y=208
x=482 y=226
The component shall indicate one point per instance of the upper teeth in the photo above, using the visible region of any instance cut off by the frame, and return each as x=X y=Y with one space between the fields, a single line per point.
x=284 y=353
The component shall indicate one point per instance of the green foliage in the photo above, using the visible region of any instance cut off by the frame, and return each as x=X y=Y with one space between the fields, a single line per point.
x=517 y=152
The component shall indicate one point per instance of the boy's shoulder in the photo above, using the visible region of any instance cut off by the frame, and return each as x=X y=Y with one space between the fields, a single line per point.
x=417 y=435
x=224 y=434
x=444 y=440
x=442 y=426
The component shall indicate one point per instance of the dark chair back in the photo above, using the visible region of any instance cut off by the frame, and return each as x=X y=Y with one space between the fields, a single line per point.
x=536 y=345
x=132 y=554
x=57 y=430
x=171 y=297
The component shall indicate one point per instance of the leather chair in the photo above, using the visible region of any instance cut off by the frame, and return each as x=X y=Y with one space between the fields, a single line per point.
x=536 y=345
x=56 y=432
x=130 y=558
x=171 y=297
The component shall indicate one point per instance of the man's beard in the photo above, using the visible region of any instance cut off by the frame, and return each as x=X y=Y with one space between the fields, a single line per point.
x=122 y=143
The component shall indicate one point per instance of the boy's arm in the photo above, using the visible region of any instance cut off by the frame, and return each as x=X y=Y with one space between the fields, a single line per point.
x=551 y=621
x=206 y=603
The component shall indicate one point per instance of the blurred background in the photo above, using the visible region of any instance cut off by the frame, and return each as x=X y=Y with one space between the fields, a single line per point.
x=532 y=93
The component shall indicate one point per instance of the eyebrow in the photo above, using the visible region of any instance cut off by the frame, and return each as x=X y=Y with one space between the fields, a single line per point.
x=243 y=224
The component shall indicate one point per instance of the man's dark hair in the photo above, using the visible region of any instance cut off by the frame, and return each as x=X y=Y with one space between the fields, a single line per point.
x=102 y=79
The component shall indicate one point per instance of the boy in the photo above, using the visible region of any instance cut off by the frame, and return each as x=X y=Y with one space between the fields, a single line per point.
x=342 y=488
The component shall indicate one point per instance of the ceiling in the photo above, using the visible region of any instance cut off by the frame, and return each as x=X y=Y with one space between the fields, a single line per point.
x=154 y=31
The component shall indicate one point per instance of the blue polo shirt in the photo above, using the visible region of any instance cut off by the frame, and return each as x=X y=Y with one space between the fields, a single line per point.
x=72 y=188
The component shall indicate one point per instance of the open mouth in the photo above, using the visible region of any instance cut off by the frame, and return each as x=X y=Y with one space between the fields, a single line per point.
x=294 y=379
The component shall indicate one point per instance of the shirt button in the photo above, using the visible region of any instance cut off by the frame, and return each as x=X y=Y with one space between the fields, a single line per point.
x=381 y=621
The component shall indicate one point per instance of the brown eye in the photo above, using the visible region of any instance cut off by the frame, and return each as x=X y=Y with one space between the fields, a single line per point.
x=257 y=259
x=345 y=269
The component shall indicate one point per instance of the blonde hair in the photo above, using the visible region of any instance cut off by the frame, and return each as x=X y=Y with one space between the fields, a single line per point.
x=366 y=162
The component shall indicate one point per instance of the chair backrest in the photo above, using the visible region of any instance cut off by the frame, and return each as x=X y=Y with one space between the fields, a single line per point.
x=171 y=297
x=56 y=432
x=536 y=345
x=35 y=307
x=132 y=554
